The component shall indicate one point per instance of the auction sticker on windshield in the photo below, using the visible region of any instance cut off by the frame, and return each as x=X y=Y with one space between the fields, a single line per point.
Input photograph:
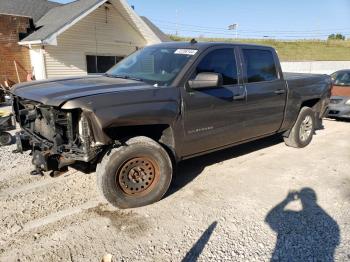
x=186 y=51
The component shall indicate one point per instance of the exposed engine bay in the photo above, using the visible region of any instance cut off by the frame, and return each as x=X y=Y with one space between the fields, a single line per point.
x=57 y=138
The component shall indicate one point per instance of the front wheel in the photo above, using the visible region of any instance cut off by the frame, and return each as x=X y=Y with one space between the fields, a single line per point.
x=303 y=130
x=5 y=139
x=136 y=174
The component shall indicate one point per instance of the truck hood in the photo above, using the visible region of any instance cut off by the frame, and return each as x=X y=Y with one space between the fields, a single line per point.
x=56 y=92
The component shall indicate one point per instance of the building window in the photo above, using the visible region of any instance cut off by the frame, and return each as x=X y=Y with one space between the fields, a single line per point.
x=101 y=64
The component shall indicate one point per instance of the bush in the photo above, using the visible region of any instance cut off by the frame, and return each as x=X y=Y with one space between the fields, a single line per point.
x=336 y=37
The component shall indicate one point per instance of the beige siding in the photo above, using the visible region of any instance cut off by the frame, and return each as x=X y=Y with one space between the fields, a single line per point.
x=133 y=18
x=103 y=32
x=38 y=63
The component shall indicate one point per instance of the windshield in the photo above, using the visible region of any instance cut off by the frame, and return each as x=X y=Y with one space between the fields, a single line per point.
x=341 y=78
x=154 y=65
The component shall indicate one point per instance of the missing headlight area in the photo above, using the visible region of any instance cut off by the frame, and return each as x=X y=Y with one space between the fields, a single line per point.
x=57 y=138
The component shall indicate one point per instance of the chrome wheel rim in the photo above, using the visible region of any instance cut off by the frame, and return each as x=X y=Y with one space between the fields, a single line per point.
x=306 y=128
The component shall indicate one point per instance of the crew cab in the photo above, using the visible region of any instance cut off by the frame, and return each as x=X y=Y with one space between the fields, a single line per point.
x=163 y=104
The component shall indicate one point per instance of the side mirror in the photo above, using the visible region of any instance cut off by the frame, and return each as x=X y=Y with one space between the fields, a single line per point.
x=206 y=80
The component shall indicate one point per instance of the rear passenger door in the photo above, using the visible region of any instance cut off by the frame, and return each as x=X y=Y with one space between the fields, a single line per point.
x=266 y=91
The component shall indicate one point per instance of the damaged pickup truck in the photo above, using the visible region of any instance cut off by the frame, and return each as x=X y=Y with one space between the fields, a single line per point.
x=163 y=104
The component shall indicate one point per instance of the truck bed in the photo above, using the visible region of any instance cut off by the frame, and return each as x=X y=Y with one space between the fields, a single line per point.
x=295 y=76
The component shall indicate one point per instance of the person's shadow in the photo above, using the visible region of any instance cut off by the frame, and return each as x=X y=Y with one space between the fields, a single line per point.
x=306 y=235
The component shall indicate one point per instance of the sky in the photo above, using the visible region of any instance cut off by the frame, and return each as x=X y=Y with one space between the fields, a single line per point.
x=297 y=19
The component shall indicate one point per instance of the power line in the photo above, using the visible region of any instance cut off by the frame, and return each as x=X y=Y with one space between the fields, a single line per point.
x=164 y=23
x=227 y=33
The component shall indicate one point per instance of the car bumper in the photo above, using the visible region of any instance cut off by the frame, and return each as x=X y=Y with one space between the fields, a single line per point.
x=45 y=156
x=341 y=111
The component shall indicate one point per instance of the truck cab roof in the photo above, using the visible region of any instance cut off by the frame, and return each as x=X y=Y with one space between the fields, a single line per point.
x=205 y=45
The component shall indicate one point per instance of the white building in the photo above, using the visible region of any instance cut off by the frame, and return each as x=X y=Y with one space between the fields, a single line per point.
x=87 y=37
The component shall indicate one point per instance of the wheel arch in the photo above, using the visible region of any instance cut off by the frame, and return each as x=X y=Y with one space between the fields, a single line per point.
x=161 y=133
x=313 y=103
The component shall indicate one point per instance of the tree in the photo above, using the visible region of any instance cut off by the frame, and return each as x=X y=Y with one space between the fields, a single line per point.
x=336 y=37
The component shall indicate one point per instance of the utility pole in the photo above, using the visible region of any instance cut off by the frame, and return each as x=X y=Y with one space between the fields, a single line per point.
x=177 y=22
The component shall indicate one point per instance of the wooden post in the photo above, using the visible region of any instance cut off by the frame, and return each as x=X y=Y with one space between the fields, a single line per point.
x=18 y=78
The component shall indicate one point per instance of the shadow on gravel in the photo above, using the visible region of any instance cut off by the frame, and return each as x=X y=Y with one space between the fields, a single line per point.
x=306 y=235
x=198 y=247
x=190 y=169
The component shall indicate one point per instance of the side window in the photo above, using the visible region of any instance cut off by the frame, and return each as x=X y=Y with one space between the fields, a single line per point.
x=342 y=79
x=220 y=61
x=260 y=65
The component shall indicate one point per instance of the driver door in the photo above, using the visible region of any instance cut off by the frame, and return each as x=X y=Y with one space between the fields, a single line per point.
x=214 y=117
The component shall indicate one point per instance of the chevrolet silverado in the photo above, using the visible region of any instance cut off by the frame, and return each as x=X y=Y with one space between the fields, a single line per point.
x=163 y=104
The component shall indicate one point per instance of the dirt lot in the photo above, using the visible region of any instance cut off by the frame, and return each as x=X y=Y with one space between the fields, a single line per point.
x=228 y=206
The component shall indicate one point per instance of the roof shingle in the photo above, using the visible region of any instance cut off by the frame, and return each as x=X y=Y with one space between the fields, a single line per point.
x=163 y=37
x=29 y=8
x=60 y=16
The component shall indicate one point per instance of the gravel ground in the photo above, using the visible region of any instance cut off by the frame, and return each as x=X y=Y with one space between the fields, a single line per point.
x=234 y=205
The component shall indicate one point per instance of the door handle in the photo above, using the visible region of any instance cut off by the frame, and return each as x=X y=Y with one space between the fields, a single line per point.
x=280 y=92
x=239 y=97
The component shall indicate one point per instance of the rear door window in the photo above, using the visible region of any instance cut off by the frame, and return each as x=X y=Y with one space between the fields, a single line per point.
x=260 y=65
x=221 y=61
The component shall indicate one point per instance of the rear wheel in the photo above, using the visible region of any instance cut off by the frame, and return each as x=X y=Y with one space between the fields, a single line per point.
x=136 y=174
x=303 y=130
x=5 y=139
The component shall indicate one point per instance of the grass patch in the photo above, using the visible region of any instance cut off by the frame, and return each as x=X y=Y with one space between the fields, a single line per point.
x=300 y=50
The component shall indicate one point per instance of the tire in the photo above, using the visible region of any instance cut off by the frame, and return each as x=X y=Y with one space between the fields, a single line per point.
x=302 y=133
x=5 y=139
x=136 y=174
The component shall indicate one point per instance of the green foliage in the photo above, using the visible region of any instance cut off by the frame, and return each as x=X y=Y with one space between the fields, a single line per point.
x=336 y=37
x=300 y=50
